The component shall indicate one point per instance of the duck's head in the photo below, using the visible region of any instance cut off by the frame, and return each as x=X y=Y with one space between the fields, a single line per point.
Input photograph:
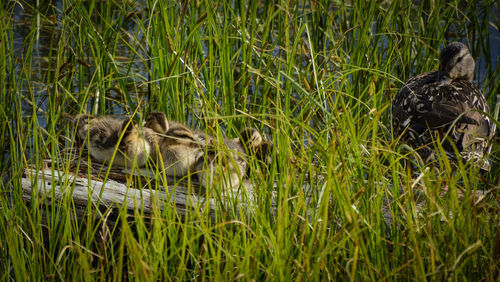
x=254 y=142
x=456 y=63
x=179 y=134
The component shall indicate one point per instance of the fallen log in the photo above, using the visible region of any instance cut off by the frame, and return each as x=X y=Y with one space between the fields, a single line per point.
x=87 y=188
x=51 y=186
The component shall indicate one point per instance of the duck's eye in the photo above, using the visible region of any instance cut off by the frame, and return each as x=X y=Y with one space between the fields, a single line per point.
x=459 y=59
x=183 y=136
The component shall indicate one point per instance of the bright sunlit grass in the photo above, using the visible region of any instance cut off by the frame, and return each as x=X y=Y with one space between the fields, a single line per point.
x=316 y=77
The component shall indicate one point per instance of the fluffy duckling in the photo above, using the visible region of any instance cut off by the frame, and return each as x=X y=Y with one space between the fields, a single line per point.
x=103 y=135
x=229 y=161
x=180 y=147
x=184 y=150
x=445 y=104
x=256 y=145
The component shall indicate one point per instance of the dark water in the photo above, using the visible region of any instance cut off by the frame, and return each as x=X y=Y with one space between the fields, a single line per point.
x=494 y=33
x=45 y=24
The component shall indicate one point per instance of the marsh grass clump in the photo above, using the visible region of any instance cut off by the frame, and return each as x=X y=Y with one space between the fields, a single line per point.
x=335 y=200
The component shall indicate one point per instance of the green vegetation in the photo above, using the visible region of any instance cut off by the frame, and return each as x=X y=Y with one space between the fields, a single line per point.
x=317 y=77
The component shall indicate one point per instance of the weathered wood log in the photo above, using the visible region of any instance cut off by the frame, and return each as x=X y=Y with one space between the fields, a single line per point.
x=86 y=187
x=90 y=189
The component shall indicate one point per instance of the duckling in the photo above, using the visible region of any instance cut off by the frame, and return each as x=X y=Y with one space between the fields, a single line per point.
x=185 y=150
x=138 y=143
x=180 y=147
x=256 y=145
x=230 y=159
x=158 y=122
x=445 y=105
x=103 y=133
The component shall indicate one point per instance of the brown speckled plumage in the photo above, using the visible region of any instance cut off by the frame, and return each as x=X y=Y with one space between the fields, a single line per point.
x=445 y=105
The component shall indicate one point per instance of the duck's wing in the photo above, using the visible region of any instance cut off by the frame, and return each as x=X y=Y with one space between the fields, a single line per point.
x=404 y=105
x=458 y=110
x=460 y=102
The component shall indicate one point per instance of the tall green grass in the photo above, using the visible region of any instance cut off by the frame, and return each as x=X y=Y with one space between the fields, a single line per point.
x=317 y=77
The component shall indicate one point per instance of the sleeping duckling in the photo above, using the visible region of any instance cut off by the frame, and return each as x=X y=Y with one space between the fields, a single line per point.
x=229 y=161
x=183 y=150
x=180 y=147
x=103 y=135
